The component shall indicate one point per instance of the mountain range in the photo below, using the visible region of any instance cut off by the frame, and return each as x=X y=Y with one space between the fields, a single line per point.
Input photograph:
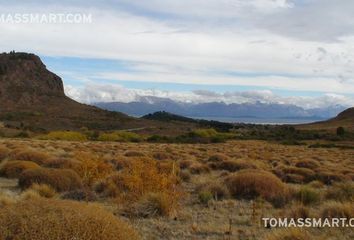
x=146 y=105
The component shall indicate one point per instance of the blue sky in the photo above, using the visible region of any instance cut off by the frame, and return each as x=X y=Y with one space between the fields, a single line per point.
x=285 y=51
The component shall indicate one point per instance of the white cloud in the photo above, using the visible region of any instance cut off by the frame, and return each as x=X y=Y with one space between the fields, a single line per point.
x=269 y=43
x=115 y=93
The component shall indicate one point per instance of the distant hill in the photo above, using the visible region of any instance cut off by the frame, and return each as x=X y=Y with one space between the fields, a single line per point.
x=168 y=117
x=344 y=119
x=146 y=105
x=32 y=97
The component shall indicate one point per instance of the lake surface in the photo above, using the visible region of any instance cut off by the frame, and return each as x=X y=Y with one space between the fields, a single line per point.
x=274 y=121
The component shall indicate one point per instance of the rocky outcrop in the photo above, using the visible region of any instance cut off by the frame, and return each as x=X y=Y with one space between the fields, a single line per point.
x=33 y=97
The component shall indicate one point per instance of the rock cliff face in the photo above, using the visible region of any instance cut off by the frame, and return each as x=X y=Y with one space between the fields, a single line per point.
x=25 y=81
x=33 y=97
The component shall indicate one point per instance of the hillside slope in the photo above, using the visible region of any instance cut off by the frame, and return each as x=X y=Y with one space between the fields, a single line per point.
x=33 y=97
x=344 y=119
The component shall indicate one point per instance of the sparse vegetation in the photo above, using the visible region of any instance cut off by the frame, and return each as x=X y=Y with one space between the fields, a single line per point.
x=189 y=190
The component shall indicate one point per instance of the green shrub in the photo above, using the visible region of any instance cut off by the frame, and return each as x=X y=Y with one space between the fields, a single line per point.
x=205 y=196
x=205 y=133
x=308 y=195
x=64 y=135
x=120 y=136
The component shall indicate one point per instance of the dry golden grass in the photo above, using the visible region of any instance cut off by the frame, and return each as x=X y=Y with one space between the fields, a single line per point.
x=290 y=234
x=13 y=169
x=147 y=188
x=42 y=219
x=59 y=179
x=333 y=209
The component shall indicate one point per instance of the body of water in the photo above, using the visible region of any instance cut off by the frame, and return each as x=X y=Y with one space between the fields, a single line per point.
x=272 y=121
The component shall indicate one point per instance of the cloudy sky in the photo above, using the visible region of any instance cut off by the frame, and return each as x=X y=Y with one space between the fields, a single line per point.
x=285 y=51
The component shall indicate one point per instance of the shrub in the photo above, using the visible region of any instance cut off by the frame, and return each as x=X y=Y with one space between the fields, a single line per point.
x=185 y=164
x=205 y=196
x=329 y=178
x=308 y=195
x=218 y=158
x=295 y=174
x=199 y=168
x=340 y=131
x=43 y=190
x=80 y=195
x=311 y=164
x=91 y=168
x=341 y=192
x=65 y=136
x=5 y=200
x=152 y=205
x=161 y=156
x=334 y=209
x=30 y=155
x=316 y=184
x=205 y=133
x=134 y=154
x=4 y=152
x=232 y=165
x=13 y=169
x=59 y=179
x=140 y=178
x=62 y=163
x=217 y=189
x=289 y=234
x=251 y=184
x=299 y=211
x=57 y=219
x=120 y=136
x=185 y=175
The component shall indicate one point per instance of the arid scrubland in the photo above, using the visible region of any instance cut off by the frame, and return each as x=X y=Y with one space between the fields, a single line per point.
x=110 y=190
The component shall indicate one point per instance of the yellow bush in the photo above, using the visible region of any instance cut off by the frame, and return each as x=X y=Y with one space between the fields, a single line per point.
x=120 y=136
x=44 y=219
x=205 y=133
x=91 y=168
x=142 y=177
x=64 y=135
